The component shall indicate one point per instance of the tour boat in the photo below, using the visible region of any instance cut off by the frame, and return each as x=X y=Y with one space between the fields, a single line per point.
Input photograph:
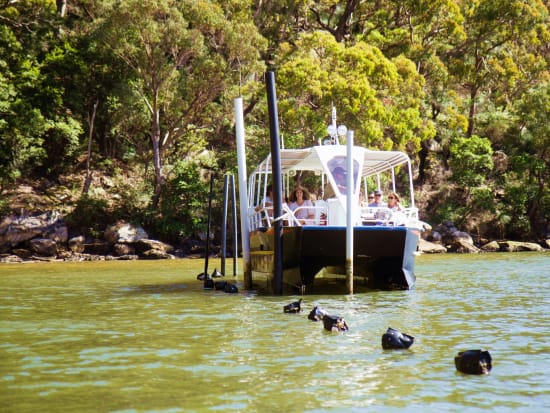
x=343 y=238
x=385 y=241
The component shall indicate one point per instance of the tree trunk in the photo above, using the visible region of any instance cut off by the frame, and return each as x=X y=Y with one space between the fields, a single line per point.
x=157 y=162
x=472 y=113
x=88 y=179
x=62 y=7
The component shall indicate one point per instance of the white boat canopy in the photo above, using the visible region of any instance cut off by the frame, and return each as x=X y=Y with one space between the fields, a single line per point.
x=313 y=159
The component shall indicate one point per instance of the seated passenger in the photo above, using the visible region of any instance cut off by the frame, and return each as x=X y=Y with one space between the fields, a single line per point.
x=339 y=175
x=393 y=202
x=299 y=203
x=267 y=202
x=370 y=198
x=378 y=203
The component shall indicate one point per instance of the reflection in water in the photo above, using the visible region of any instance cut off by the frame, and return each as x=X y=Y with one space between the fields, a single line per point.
x=145 y=336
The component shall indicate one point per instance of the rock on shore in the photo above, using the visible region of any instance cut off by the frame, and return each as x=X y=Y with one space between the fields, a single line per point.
x=44 y=237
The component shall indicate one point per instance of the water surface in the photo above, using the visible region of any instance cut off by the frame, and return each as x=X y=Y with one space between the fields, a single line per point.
x=144 y=336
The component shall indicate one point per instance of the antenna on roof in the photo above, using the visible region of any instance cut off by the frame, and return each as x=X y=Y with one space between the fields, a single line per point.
x=335 y=131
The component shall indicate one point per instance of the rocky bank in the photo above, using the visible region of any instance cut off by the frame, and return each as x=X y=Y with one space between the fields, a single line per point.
x=45 y=237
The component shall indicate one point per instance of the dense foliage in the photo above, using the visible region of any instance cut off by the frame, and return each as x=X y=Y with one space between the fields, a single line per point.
x=462 y=85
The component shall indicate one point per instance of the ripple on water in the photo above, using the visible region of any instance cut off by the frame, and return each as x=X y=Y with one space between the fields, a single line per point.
x=147 y=337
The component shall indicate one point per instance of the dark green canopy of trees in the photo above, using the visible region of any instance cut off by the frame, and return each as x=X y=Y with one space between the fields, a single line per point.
x=463 y=86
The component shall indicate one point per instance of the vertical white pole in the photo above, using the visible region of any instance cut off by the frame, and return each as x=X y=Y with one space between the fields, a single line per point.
x=411 y=189
x=241 y=159
x=350 y=212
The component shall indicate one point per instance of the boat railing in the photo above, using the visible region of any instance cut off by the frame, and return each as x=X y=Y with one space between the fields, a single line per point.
x=385 y=216
x=320 y=210
x=263 y=218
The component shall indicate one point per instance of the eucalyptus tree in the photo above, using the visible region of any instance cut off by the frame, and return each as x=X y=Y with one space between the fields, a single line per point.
x=184 y=58
x=377 y=97
x=488 y=56
x=38 y=132
x=527 y=206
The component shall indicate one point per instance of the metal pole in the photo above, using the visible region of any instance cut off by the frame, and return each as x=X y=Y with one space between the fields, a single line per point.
x=350 y=212
x=235 y=241
x=277 y=186
x=224 y=222
x=207 y=250
x=243 y=190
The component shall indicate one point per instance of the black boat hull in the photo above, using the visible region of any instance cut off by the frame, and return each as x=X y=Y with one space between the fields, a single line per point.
x=383 y=255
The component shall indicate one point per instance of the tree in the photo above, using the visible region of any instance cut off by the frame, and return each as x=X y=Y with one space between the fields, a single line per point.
x=37 y=130
x=182 y=54
x=471 y=160
x=379 y=99
x=491 y=28
x=529 y=146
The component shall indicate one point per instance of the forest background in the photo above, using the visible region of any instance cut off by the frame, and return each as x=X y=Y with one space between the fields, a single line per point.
x=122 y=109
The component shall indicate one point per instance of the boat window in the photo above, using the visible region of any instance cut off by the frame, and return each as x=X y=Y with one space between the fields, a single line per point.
x=338 y=168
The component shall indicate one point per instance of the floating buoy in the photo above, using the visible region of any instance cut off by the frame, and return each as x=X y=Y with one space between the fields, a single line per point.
x=231 y=288
x=208 y=283
x=317 y=314
x=473 y=362
x=216 y=274
x=201 y=276
x=220 y=285
x=334 y=323
x=395 y=339
x=294 y=307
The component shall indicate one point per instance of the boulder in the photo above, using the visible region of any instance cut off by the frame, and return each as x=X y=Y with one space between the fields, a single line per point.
x=97 y=247
x=492 y=246
x=76 y=244
x=434 y=236
x=516 y=246
x=43 y=247
x=120 y=249
x=22 y=253
x=144 y=245
x=7 y=258
x=154 y=254
x=124 y=232
x=455 y=236
x=17 y=229
x=430 y=247
x=128 y=257
x=462 y=246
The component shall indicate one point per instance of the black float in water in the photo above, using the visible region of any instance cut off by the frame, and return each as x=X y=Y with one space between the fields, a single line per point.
x=473 y=362
x=334 y=323
x=395 y=339
x=317 y=314
x=294 y=307
x=220 y=285
x=208 y=283
x=216 y=274
x=231 y=288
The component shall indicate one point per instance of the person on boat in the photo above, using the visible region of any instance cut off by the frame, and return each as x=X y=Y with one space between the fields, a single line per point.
x=378 y=203
x=339 y=175
x=301 y=205
x=267 y=202
x=370 y=198
x=394 y=203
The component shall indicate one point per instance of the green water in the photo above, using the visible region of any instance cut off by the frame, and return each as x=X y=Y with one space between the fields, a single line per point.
x=144 y=336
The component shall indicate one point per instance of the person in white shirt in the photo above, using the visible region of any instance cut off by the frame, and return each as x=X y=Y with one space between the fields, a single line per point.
x=393 y=202
x=301 y=205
